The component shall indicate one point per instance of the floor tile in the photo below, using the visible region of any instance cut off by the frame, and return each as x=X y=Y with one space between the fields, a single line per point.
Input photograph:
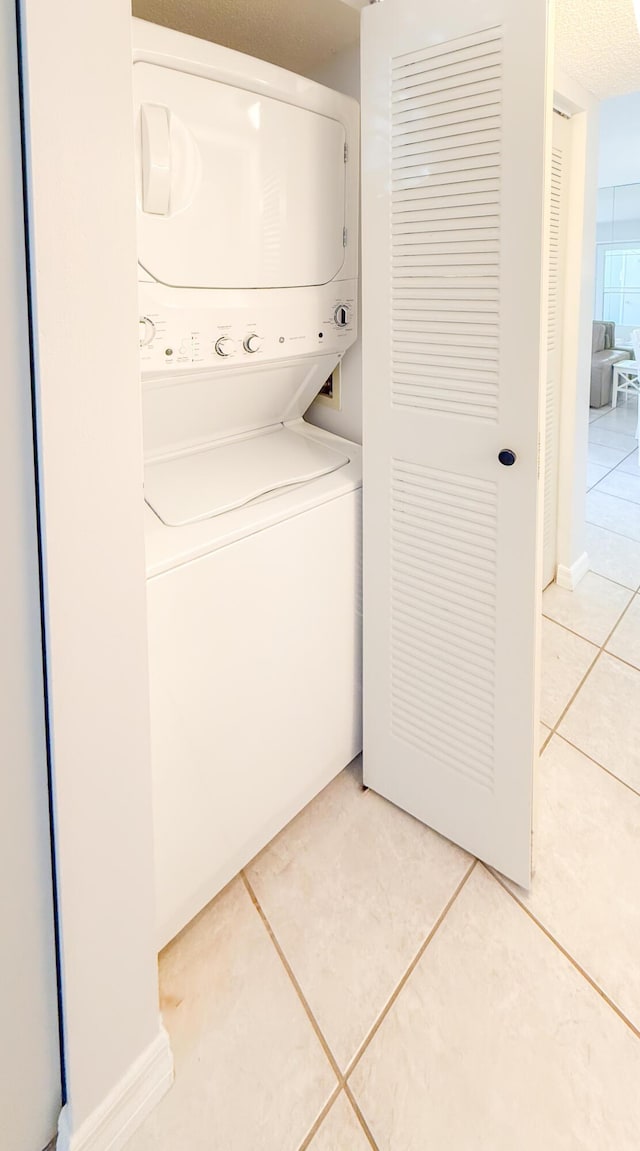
x=604 y=719
x=585 y=887
x=565 y=659
x=623 y=419
x=597 y=413
x=351 y=889
x=622 y=484
x=615 y=514
x=613 y=556
x=595 y=473
x=340 y=1131
x=608 y=457
x=625 y=641
x=544 y=733
x=250 y=1072
x=610 y=438
x=630 y=464
x=497 y=1042
x=592 y=610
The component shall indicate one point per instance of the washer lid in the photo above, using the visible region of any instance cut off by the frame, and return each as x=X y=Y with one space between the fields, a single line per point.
x=207 y=482
x=235 y=189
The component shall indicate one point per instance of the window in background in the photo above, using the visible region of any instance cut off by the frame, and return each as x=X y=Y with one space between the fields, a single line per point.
x=618 y=259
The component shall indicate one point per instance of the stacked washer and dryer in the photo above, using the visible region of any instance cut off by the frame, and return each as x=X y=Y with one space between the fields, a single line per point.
x=247 y=251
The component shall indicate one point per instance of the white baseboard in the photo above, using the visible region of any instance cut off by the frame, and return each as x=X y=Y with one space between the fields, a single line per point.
x=569 y=577
x=112 y=1123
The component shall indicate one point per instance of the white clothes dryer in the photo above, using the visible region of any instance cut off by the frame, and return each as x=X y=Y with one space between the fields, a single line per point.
x=247 y=228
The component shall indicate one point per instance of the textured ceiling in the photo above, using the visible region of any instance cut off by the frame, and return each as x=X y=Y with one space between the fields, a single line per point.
x=597 y=42
x=301 y=35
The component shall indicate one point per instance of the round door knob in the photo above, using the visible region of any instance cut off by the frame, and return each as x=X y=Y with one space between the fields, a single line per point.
x=146 y=330
x=507 y=457
x=253 y=343
x=224 y=346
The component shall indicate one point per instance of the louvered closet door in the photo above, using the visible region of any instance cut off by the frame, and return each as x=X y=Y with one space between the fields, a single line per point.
x=556 y=254
x=454 y=128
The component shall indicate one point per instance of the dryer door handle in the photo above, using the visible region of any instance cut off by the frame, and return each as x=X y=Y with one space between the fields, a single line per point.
x=156 y=159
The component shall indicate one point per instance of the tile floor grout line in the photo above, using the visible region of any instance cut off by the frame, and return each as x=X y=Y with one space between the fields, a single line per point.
x=610 y=413
x=565 y=626
x=615 y=496
x=594 y=487
x=408 y=972
x=607 y=473
x=313 y=1131
x=634 y=587
x=574 y=963
x=621 y=535
x=342 y=1083
x=631 y=411
x=289 y=970
x=601 y=651
x=609 y=579
x=342 y=1077
x=591 y=443
x=619 y=658
x=593 y=642
x=360 y=1117
x=545 y=743
x=601 y=414
x=573 y=697
x=595 y=762
x=617 y=624
x=571 y=630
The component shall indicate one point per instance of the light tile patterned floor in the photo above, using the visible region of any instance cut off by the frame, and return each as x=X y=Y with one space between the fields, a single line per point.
x=366 y=984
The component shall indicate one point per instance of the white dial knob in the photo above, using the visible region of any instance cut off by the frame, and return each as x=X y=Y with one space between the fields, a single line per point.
x=341 y=315
x=224 y=346
x=146 y=329
x=252 y=343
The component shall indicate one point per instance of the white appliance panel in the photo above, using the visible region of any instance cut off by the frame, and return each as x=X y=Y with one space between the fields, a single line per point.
x=210 y=481
x=168 y=548
x=255 y=677
x=235 y=189
x=182 y=329
x=196 y=408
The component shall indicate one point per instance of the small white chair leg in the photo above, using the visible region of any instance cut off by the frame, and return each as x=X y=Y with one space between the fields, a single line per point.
x=614 y=392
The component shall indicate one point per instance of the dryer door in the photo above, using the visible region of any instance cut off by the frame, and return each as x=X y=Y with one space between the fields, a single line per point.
x=235 y=189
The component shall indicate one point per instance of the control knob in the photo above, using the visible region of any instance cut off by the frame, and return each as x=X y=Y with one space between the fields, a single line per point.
x=224 y=346
x=341 y=315
x=252 y=343
x=146 y=330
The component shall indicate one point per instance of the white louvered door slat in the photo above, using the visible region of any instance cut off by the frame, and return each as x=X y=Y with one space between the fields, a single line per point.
x=455 y=125
x=557 y=235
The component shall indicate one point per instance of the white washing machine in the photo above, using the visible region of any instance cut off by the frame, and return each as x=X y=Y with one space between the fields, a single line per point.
x=247 y=249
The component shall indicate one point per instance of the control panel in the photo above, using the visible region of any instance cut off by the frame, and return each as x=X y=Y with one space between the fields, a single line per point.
x=272 y=325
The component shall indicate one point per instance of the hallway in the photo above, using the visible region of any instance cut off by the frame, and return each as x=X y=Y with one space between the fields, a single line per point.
x=365 y=983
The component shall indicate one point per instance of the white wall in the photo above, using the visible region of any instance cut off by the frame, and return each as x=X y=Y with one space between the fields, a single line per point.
x=578 y=318
x=82 y=229
x=343 y=74
x=29 y=1057
x=619 y=159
